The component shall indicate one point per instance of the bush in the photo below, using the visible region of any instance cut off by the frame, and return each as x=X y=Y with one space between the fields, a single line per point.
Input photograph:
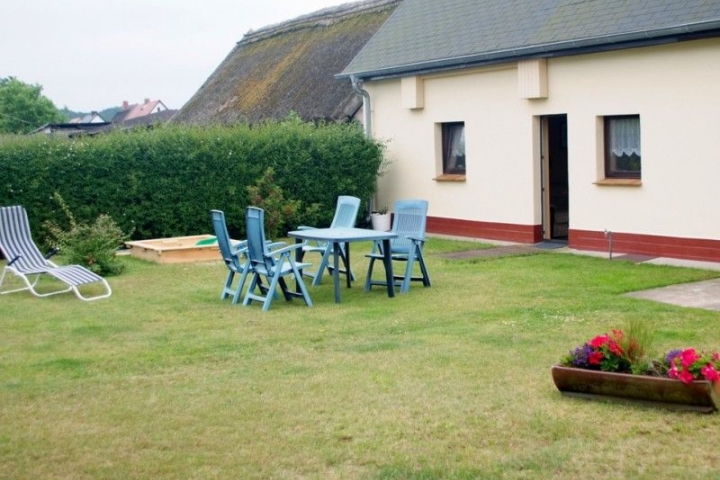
x=163 y=182
x=92 y=245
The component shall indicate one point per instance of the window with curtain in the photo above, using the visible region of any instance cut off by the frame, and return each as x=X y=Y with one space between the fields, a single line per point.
x=453 y=139
x=622 y=146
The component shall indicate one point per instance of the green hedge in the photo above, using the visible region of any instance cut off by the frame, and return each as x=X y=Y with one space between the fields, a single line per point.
x=163 y=182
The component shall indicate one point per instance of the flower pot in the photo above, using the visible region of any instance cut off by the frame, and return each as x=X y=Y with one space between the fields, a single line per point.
x=699 y=396
x=380 y=221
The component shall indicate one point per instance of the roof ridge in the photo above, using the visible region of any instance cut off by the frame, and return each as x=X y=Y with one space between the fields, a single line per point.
x=324 y=17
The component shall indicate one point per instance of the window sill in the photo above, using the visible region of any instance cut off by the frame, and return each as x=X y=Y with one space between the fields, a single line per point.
x=619 y=182
x=450 y=177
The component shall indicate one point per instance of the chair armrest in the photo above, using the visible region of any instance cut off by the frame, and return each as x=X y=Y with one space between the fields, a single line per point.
x=289 y=248
x=305 y=227
x=239 y=247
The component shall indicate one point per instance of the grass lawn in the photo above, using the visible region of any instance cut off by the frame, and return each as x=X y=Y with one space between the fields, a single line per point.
x=165 y=381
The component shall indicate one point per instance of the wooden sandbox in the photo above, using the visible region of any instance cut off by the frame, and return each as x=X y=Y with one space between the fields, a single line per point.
x=175 y=249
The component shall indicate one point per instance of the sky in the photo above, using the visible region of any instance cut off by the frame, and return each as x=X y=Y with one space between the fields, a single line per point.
x=94 y=54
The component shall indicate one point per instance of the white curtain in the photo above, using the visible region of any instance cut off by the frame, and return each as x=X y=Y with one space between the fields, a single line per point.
x=625 y=136
x=454 y=138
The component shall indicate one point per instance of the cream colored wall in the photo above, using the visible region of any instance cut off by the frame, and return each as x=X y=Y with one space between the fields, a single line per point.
x=498 y=165
x=674 y=89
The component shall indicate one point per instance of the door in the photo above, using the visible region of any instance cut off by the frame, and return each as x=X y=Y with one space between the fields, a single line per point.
x=555 y=199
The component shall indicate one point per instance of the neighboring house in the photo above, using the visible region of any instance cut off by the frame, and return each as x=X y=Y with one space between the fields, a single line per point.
x=71 y=129
x=290 y=67
x=74 y=129
x=528 y=120
x=92 y=117
x=130 y=112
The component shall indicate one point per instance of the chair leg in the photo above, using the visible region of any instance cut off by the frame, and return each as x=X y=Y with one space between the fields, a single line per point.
x=322 y=266
x=273 y=286
x=368 y=280
x=301 y=285
x=408 y=274
x=249 y=295
x=227 y=289
x=423 y=269
x=241 y=284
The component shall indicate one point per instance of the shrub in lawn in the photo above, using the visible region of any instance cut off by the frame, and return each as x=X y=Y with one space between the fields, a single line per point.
x=90 y=244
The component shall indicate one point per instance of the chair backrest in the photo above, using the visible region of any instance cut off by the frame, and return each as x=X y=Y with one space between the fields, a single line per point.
x=16 y=240
x=409 y=220
x=223 y=239
x=257 y=246
x=345 y=212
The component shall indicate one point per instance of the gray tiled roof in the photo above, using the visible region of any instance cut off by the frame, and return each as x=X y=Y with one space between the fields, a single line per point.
x=431 y=34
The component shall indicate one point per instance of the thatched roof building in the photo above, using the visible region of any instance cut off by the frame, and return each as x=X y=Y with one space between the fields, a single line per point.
x=290 y=67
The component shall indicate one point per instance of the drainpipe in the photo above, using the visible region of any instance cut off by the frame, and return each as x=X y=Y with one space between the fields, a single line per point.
x=367 y=119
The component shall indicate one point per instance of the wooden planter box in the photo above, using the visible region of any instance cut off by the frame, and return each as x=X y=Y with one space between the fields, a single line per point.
x=699 y=396
x=175 y=249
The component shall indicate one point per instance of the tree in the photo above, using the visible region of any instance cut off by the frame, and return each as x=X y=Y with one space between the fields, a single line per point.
x=23 y=107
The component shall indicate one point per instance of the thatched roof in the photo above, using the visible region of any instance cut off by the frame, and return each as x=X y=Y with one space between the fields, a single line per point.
x=290 y=67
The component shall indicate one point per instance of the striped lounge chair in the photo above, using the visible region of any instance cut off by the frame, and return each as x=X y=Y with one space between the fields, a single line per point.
x=25 y=261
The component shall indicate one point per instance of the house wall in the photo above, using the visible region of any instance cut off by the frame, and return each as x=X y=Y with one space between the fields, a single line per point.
x=673 y=88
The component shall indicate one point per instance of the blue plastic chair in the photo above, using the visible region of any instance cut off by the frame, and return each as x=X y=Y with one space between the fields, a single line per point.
x=346 y=212
x=233 y=255
x=272 y=265
x=409 y=221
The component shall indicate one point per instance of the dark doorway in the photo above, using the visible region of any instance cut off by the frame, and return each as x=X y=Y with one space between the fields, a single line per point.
x=555 y=177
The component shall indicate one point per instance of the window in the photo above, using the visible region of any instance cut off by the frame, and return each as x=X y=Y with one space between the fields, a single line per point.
x=453 y=148
x=622 y=146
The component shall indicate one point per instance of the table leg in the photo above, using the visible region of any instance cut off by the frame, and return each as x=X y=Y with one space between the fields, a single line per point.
x=298 y=259
x=387 y=260
x=347 y=263
x=336 y=270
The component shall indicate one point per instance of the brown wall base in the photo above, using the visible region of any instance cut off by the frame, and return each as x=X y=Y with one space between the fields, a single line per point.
x=626 y=243
x=651 y=245
x=507 y=232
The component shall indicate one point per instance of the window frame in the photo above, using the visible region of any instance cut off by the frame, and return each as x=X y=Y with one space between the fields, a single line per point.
x=447 y=129
x=614 y=173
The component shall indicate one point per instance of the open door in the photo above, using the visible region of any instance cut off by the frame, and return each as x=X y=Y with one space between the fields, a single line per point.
x=553 y=137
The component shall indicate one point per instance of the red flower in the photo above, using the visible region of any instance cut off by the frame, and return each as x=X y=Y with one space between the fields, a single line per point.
x=615 y=348
x=595 y=358
x=599 y=341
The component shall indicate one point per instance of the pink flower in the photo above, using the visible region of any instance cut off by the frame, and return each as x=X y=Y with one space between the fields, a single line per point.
x=673 y=371
x=599 y=341
x=688 y=357
x=710 y=373
x=686 y=377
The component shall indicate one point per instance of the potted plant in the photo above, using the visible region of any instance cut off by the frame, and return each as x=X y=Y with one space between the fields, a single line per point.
x=616 y=366
x=381 y=219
